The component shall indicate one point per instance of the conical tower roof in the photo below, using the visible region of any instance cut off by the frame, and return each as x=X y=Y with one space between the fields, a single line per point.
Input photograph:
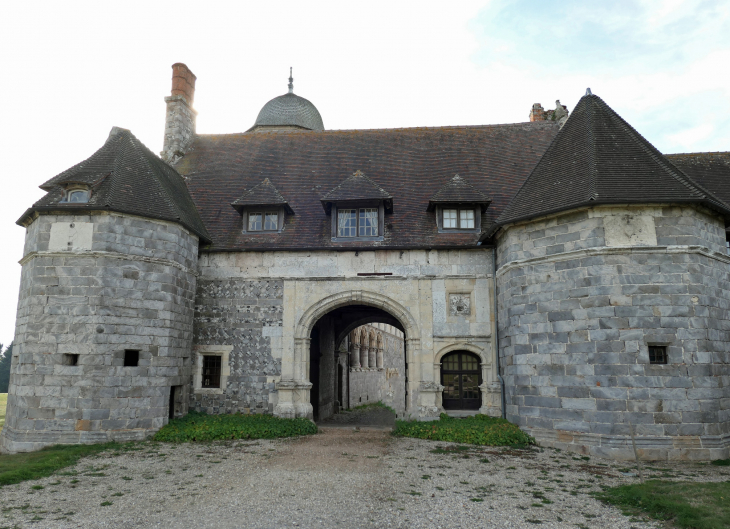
x=598 y=158
x=125 y=176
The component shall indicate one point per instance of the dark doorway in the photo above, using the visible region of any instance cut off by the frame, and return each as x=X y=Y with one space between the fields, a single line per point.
x=461 y=377
x=340 y=392
x=171 y=410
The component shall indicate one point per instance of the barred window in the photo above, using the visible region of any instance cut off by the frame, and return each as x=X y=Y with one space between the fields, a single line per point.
x=211 y=371
x=657 y=354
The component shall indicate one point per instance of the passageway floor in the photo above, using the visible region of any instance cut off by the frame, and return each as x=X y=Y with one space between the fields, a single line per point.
x=338 y=478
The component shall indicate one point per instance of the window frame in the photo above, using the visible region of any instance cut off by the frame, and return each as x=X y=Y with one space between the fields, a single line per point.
x=71 y=189
x=200 y=352
x=476 y=208
x=263 y=210
x=358 y=206
x=662 y=358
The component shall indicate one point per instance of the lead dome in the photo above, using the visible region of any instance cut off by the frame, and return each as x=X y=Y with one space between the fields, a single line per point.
x=289 y=110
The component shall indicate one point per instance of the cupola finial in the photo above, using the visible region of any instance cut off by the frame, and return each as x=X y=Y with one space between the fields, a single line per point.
x=291 y=82
x=588 y=92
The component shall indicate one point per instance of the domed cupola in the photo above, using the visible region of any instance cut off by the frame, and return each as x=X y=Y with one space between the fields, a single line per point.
x=288 y=111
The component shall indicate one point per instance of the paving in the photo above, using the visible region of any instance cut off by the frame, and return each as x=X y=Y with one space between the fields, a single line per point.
x=341 y=477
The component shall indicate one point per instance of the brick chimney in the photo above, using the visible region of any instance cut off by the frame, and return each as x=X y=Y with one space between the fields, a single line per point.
x=537 y=113
x=180 y=118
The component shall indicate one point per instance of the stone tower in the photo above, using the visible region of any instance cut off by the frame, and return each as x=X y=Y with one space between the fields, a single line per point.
x=104 y=322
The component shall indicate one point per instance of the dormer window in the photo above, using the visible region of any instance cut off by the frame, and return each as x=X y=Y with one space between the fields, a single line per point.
x=76 y=196
x=357 y=207
x=458 y=218
x=262 y=209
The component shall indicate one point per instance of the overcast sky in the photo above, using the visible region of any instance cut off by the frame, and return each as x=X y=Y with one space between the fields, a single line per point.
x=69 y=71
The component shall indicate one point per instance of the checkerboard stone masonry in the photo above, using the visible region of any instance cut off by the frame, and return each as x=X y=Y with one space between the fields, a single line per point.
x=131 y=285
x=579 y=308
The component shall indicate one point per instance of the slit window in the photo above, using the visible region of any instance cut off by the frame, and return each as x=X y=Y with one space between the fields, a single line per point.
x=458 y=218
x=211 y=371
x=70 y=359
x=131 y=358
x=657 y=354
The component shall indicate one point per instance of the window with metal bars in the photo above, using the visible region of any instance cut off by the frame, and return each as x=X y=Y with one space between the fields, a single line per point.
x=211 y=371
x=657 y=354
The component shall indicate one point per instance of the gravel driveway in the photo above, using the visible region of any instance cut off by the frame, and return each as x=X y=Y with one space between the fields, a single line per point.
x=338 y=478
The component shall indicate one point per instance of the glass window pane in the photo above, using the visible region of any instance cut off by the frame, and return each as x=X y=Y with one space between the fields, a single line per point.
x=450 y=218
x=78 y=196
x=368 y=222
x=469 y=363
x=346 y=222
x=451 y=386
x=254 y=222
x=272 y=221
x=450 y=363
x=470 y=386
x=467 y=218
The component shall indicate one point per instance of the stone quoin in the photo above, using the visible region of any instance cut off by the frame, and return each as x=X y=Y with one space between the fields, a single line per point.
x=560 y=272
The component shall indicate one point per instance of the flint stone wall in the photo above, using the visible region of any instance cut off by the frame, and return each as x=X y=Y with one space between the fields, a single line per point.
x=245 y=314
x=95 y=285
x=582 y=296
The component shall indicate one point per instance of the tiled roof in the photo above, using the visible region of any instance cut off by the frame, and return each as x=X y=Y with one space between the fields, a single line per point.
x=458 y=190
x=410 y=164
x=709 y=169
x=263 y=194
x=598 y=158
x=357 y=186
x=126 y=177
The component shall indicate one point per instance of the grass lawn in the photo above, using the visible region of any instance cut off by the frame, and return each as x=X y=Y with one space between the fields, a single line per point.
x=3 y=405
x=688 y=505
x=477 y=430
x=15 y=468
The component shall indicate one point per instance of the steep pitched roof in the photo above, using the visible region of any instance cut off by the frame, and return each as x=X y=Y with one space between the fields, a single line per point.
x=357 y=186
x=598 y=158
x=410 y=164
x=125 y=176
x=458 y=190
x=263 y=194
x=709 y=169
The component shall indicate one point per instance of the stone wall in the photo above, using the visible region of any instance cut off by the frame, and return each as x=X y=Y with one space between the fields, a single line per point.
x=583 y=295
x=418 y=293
x=93 y=286
x=246 y=315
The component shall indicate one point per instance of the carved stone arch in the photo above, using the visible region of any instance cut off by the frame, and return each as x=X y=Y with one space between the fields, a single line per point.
x=481 y=353
x=379 y=341
x=355 y=337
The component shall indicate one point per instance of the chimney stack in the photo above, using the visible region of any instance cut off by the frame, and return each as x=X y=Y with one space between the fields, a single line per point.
x=180 y=118
x=537 y=113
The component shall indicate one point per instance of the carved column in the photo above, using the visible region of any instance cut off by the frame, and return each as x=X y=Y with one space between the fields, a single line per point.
x=372 y=362
x=364 y=356
x=355 y=356
x=379 y=358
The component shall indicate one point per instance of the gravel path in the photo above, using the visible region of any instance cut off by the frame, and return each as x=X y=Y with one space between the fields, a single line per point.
x=338 y=478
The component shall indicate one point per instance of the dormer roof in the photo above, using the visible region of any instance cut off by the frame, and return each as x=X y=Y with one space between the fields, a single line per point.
x=125 y=176
x=458 y=191
x=263 y=194
x=355 y=188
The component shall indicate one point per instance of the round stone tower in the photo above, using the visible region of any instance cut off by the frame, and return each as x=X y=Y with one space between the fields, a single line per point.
x=613 y=310
x=104 y=323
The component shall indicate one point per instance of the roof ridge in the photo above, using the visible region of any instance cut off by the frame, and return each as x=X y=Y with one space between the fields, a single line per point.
x=593 y=162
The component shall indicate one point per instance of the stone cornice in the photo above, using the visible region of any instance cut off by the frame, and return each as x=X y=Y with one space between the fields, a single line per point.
x=113 y=255
x=614 y=250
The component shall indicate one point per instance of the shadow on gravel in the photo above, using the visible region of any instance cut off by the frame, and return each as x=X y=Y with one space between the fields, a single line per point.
x=370 y=417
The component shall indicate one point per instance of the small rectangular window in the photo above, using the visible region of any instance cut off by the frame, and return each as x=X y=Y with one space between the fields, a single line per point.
x=272 y=221
x=211 y=371
x=131 y=358
x=368 y=222
x=450 y=218
x=466 y=219
x=70 y=359
x=657 y=354
x=254 y=222
x=346 y=222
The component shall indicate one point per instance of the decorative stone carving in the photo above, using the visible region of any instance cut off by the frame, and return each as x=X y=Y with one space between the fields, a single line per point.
x=460 y=304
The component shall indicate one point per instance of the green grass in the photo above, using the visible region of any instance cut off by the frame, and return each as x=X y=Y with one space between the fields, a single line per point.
x=15 y=468
x=197 y=426
x=477 y=430
x=3 y=406
x=688 y=505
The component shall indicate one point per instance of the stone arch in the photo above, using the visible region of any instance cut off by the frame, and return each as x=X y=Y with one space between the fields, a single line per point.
x=481 y=353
